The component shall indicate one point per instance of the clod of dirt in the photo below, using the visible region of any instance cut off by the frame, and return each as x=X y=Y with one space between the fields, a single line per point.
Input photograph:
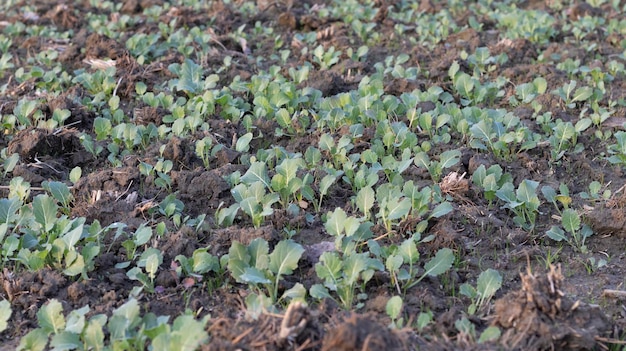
x=361 y=333
x=298 y=329
x=30 y=143
x=541 y=317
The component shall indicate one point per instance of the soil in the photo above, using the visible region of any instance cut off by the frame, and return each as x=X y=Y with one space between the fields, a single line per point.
x=540 y=306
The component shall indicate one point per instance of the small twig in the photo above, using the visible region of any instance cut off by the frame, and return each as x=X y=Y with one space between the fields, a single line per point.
x=614 y=293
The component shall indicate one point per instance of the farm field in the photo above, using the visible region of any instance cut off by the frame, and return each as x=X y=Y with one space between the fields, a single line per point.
x=313 y=175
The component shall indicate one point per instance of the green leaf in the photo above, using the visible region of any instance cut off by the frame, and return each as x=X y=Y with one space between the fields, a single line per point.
x=256 y=172
x=540 y=84
x=353 y=266
x=335 y=222
x=259 y=250
x=8 y=209
x=243 y=143
x=394 y=262
x=526 y=192
x=284 y=259
x=488 y=283
x=76 y=320
x=490 y=334
x=75 y=174
x=582 y=94
x=440 y=263
x=441 y=210
x=45 y=211
x=329 y=267
x=35 y=340
x=94 y=334
x=5 y=314
x=365 y=200
x=72 y=237
x=397 y=208
x=394 y=307
x=187 y=335
x=464 y=84
x=66 y=341
x=408 y=251
x=319 y=292
x=142 y=235
x=549 y=193
x=556 y=233
x=254 y=276
x=296 y=293
x=10 y=163
x=570 y=221
x=326 y=183
x=50 y=317
x=449 y=158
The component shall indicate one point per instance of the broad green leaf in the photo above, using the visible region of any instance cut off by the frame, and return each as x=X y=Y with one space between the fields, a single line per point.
x=65 y=341
x=329 y=268
x=549 y=193
x=540 y=84
x=142 y=235
x=394 y=307
x=440 y=263
x=74 y=263
x=74 y=235
x=488 y=283
x=582 y=125
x=10 y=163
x=526 y=192
x=449 y=158
x=122 y=319
x=296 y=293
x=238 y=259
x=94 y=334
x=75 y=174
x=256 y=172
x=5 y=314
x=393 y=263
x=351 y=225
x=76 y=320
x=45 y=211
x=326 y=183
x=259 y=253
x=254 y=276
x=8 y=209
x=335 y=222
x=464 y=84
x=556 y=233
x=353 y=266
x=204 y=262
x=397 y=208
x=326 y=142
x=187 y=335
x=284 y=259
x=570 y=221
x=490 y=334
x=35 y=340
x=365 y=200
x=50 y=317
x=319 y=292
x=422 y=160
x=482 y=130
x=243 y=143
x=468 y=290
x=408 y=251
x=441 y=210
x=582 y=94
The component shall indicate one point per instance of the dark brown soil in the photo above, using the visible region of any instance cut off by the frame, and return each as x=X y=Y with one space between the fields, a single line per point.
x=540 y=306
